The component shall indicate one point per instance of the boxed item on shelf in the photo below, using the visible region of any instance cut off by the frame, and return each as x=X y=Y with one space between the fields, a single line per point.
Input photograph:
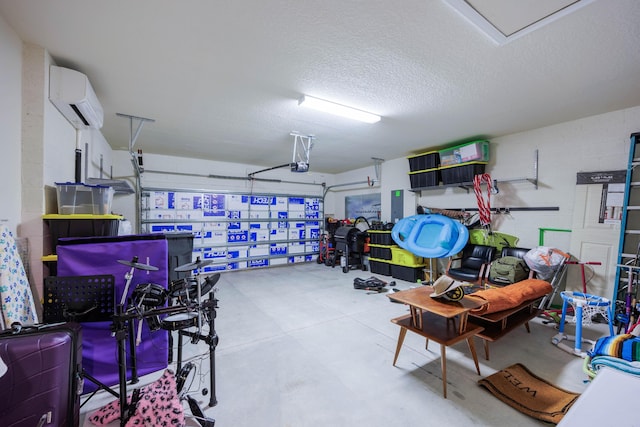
x=76 y=198
x=424 y=161
x=424 y=178
x=463 y=153
x=464 y=172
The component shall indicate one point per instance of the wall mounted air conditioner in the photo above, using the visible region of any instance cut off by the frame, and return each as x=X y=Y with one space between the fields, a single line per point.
x=72 y=94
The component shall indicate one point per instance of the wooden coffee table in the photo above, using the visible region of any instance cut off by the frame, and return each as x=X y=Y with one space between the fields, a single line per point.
x=435 y=319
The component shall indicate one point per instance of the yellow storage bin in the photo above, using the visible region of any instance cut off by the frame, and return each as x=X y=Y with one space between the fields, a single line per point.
x=405 y=258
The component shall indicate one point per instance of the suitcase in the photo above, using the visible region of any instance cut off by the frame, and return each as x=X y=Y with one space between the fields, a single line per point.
x=43 y=380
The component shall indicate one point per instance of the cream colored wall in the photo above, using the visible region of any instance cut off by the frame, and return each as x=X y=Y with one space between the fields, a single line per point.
x=595 y=143
x=38 y=146
x=10 y=126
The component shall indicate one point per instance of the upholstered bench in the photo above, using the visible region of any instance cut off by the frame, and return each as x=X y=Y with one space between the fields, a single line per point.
x=507 y=308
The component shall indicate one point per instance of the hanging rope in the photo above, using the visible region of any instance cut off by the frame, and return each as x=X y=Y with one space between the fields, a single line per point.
x=484 y=205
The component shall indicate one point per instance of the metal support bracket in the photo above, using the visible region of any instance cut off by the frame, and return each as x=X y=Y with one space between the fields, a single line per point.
x=533 y=180
x=133 y=136
x=302 y=145
x=136 y=161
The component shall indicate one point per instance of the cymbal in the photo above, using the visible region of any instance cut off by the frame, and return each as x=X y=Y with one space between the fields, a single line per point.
x=138 y=265
x=191 y=287
x=193 y=265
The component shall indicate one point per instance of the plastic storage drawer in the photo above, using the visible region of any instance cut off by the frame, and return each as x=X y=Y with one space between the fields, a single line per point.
x=380 y=237
x=464 y=153
x=409 y=274
x=62 y=226
x=424 y=178
x=380 y=267
x=74 y=198
x=380 y=252
x=423 y=161
x=405 y=258
x=464 y=172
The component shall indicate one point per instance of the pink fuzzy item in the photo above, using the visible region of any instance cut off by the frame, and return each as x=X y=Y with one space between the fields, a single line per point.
x=159 y=405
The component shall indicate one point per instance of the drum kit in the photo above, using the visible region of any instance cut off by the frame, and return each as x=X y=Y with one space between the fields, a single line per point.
x=185 y=310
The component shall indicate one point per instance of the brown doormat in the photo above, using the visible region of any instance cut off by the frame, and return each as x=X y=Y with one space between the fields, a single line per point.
x=521 y=389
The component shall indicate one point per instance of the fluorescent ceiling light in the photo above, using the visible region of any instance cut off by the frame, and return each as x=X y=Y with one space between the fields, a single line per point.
x=337 y=109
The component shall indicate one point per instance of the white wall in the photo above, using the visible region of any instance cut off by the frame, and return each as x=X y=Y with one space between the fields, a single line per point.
x=10 y=126
x=590 y=144
x=58 y=141
x=97 y=155
x=595 y=143
x=38 y=145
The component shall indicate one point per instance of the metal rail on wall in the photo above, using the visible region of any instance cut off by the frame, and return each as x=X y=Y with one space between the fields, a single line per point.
x=507 y=210
x=377 y=165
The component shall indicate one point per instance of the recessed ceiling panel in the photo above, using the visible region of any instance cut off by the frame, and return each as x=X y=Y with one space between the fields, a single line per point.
x=504 y=20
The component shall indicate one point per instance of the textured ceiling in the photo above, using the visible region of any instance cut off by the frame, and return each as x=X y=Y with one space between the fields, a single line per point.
x=222 y=78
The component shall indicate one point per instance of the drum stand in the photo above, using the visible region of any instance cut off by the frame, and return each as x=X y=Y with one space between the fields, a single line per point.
x=121 y=331
x=210 y=308
x=120 y=321
x=123 y=318
x=211 y=339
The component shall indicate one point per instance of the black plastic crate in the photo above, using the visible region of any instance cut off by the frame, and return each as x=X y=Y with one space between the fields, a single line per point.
x=380 y=237
x=63 y=226
x=409 y=274
x=464 y=172
x=425 y=178
x=380 y=267
x=424 y=161
x=380 y=253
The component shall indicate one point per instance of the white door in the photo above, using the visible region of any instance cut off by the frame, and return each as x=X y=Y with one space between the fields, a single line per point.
x=592 y=241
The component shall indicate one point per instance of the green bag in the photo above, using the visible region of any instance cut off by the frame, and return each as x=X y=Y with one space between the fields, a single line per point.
x=497 y=239
x=507 y=270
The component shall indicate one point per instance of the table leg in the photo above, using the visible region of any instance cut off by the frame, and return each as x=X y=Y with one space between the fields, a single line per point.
x=472 y=347
x=463 y=322
x=526 y=325
x=486 y=349
x=403 y=333
x=416 y=316
x=443 y=364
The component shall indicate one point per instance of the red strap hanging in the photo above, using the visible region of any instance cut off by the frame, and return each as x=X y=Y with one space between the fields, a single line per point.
x=484 y=205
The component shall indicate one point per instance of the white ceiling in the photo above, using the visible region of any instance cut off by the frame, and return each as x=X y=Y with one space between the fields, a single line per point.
x=222 y=78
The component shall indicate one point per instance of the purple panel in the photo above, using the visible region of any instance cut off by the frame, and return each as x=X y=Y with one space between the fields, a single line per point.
x=99 y=348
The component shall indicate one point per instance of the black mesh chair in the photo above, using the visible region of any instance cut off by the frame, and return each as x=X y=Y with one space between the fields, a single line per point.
x=473 y=263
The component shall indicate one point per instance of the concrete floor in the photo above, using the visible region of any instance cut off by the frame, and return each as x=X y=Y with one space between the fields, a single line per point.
x=299 y=346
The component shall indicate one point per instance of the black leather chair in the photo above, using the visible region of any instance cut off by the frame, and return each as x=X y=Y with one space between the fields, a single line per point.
x=513 y=251
x=473 y=263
